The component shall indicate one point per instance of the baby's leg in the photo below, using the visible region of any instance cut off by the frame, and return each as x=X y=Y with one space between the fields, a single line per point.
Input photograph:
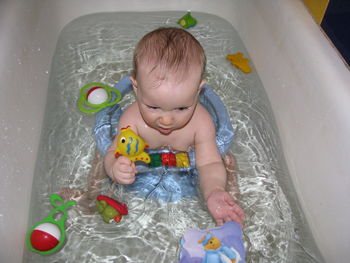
x=86 y=199
x=230 y=165
x=96 y=177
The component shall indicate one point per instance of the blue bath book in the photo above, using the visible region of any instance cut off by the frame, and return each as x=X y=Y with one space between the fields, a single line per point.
x=215 y=245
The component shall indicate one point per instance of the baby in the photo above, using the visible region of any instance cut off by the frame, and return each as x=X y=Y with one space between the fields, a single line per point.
x=168 y=76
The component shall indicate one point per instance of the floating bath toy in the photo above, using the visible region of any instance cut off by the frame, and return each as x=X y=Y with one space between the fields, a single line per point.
x=239 y=62
x=187 y=20
x=214 y=251
x=48 y=235
x=110 y=209
x=132 y=146
x=97 y=96
x=215 y=245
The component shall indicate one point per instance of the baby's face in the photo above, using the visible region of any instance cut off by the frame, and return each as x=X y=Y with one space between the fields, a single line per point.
x=167 y=104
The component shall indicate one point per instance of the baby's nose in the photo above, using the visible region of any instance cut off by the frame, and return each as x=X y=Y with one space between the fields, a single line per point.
x=166 y=119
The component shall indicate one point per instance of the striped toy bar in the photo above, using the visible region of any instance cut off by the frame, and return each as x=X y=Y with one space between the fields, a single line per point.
x=170 y=159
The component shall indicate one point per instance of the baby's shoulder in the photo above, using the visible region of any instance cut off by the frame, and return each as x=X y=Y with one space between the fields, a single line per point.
x=202 y=119
x=202 y=114
x=132 y=107
x=131 y=116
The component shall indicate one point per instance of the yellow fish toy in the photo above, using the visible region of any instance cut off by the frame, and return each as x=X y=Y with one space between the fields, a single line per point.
x=131 y=145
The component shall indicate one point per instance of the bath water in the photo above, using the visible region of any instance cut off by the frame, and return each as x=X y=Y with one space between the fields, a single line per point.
x=99 y=48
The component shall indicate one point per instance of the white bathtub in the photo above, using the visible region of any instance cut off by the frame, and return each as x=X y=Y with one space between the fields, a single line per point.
x=306 y=81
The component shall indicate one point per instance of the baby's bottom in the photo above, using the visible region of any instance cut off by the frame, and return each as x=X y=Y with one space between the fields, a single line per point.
x=86 y=198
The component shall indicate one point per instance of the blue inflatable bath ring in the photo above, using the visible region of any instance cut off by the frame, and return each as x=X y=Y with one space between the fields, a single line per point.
x=166 y=183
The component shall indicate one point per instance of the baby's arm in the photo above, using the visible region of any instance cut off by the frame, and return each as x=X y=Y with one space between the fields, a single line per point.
x=121 y=170
x=212 y=174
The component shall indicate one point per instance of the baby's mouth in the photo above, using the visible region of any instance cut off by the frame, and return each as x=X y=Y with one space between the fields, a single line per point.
x=165 y=130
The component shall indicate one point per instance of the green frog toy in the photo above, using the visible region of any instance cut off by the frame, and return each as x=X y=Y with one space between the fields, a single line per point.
x=110 y=209
x=187 y=20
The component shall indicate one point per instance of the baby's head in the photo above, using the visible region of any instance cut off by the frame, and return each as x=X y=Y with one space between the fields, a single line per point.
x=169 y=51
x=168 y=67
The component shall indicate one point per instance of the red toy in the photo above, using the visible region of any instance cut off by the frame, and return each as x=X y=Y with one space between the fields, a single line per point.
x=48 y=235
x=45 y=237
x=110 y=209
x=169 y=159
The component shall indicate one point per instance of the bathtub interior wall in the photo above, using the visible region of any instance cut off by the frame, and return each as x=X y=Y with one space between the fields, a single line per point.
x=305 y=79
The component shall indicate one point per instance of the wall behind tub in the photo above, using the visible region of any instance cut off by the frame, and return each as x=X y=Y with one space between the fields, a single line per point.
x=312 y=126
x=308 y=86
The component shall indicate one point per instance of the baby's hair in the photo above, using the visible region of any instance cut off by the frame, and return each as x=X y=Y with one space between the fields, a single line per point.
x=171 y=49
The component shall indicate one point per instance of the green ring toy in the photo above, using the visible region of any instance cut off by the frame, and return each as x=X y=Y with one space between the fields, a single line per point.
x=48 y=236
x=87 y=107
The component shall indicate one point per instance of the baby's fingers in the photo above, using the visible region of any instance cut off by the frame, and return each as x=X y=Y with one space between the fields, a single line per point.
x=124 y=160
x=238 y=210
x=126 y=165
x=219 y=222
x=127 y=168
x=126 y=178
x=234 y=216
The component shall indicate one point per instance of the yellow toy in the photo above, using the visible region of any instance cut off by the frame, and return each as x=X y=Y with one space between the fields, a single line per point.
x=210 y=242
x=239 y=62
x=182 y=160
x=131 y=145
x=215 y=251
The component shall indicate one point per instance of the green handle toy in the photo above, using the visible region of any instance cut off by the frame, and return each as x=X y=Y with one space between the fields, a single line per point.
x=48 y=235
x=97 y=96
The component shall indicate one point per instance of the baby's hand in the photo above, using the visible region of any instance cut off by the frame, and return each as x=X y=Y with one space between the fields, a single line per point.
x=123 y=170
x=223 y=208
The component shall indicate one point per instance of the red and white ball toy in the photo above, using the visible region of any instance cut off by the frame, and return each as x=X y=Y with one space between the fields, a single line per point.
x=97 y=95
x=45 y=237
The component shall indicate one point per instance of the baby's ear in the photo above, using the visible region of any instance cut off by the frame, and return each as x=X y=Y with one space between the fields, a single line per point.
x=201 y=85
x=134 y=84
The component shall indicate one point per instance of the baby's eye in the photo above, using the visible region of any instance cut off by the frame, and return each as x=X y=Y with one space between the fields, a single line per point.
x=152 y=107
x=182 y=108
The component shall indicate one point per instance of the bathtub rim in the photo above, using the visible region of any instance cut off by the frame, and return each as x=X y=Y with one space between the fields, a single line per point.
x=41 y=63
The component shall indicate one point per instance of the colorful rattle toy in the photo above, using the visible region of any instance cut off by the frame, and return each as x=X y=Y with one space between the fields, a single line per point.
x=97 y=96
x=187 y=20
x=110 y=209
x=132 y=146
x=48 y=235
